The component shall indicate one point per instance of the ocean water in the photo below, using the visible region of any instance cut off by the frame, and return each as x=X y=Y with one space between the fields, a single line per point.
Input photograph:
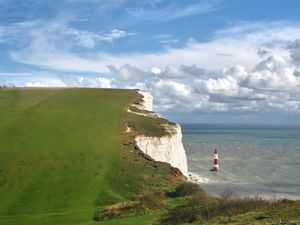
x=254 y=160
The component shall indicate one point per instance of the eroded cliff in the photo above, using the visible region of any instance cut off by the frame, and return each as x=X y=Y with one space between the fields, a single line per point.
x=166 y=148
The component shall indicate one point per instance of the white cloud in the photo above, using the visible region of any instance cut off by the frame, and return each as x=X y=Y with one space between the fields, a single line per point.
x=224 y=74
x=129 y=73
x=226 y=86
x=57 y=31
x=172 y=88
x=44 y=82
x=155 y=70
x=89 y=39
x=81 y=81
x=270 y=85
x=232 y=46
x=168 y=41
x=238 y=72
x=67 y=81
x=273 y=74
x=133 y=12
x=170 y=12
x=294 y=47
x=35 y=84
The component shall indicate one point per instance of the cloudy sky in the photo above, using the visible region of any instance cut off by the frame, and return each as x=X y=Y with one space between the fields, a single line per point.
x=205 y=61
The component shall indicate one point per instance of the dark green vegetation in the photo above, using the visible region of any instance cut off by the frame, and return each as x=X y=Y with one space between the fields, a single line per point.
x=201 y=208
x=65 y=159
x=63 y=155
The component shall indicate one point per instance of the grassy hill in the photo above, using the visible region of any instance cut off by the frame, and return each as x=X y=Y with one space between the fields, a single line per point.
x=63 y=155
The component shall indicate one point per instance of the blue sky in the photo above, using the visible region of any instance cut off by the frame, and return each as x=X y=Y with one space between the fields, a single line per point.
x=203 y=60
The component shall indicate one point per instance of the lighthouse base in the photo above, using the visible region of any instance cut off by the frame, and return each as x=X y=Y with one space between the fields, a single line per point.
x=214 y=169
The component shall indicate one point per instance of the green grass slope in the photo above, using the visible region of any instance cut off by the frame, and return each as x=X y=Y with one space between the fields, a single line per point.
x=62 y=155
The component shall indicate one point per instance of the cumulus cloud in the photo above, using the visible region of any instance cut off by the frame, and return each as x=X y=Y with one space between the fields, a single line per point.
x=129 y=73
x=274 y=74
x=227 y=86
x=294 y=47
x=81 y=81
x=172 y=88
x=272 y=84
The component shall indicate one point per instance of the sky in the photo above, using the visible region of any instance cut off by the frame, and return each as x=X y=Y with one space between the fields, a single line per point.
x=204 y=61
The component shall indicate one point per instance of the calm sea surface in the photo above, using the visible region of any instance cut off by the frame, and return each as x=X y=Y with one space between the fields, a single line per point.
x=254 y=160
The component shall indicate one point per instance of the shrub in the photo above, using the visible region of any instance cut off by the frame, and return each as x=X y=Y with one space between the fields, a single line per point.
x=204 y=203
x=200 y=205
x=201 y=197
x=186 y=189
x=230 y=205
x=179 y=215
x=150 y=199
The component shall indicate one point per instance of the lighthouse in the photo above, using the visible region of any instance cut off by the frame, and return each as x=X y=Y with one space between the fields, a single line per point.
x=216 y=161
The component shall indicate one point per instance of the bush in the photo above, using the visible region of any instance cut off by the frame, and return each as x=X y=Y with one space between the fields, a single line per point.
x=230 y=205
x=179 y=215
x=150 y=199
x=201 y=197
x=186 y=189
x=204 y=203
x=200 y=205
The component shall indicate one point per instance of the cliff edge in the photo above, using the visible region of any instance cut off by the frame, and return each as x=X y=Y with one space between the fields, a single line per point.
x=166 y=148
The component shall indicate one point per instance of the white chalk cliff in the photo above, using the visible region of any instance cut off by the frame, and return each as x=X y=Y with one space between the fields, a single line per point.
x=168 y=148
x=147 y=103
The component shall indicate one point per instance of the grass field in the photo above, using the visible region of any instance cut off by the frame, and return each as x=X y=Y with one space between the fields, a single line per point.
x=62 y=156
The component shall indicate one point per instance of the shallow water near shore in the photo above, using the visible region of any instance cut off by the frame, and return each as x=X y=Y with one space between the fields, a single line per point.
x=254 y=160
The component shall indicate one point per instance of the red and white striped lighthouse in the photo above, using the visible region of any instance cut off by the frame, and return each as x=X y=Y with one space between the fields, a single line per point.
x=216 y=161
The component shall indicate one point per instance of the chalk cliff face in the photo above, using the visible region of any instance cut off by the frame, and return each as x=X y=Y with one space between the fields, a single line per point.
x=147 y=101
x=167 y=148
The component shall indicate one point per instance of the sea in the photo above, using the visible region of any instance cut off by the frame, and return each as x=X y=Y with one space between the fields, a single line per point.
x=254 y=160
